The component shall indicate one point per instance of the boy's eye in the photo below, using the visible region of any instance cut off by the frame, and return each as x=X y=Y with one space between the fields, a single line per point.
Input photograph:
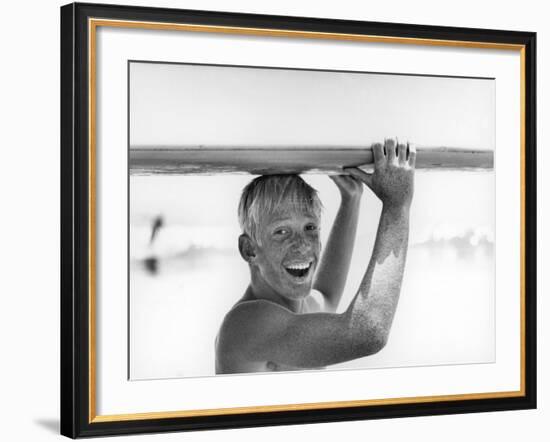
x=281 y=231
x=311 y=227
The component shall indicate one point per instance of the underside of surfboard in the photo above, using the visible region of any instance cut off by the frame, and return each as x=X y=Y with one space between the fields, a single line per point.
x=262 y=160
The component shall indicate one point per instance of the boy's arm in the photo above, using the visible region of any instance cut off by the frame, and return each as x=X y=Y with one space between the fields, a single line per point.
x=264 y=331
x=393 y=182
x=333 y=270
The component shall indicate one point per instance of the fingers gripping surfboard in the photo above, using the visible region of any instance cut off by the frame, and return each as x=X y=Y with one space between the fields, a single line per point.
x=263 y=160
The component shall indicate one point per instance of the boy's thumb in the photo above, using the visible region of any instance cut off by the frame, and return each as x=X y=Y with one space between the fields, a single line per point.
x=360 y=175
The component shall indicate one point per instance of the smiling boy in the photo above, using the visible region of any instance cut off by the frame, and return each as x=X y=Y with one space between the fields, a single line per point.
x=278 y=325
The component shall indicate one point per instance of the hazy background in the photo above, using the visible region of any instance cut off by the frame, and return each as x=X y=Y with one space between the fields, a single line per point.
x=183 y=283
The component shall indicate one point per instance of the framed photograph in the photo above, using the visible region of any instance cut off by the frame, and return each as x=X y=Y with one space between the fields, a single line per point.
x=274 y=220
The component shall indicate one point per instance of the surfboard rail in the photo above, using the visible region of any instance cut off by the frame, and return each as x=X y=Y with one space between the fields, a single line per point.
x=262 y=160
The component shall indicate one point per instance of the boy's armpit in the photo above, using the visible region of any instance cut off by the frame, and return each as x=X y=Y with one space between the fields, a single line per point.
x=261 y=331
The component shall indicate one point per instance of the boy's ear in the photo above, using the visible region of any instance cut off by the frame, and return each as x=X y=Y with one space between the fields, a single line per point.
x=246 y=247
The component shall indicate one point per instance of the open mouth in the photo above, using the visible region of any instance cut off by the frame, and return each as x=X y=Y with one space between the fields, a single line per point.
x=299 y=270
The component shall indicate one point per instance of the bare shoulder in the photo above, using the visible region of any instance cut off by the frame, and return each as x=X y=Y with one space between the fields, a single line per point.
x=246 y=327
x=247 y=317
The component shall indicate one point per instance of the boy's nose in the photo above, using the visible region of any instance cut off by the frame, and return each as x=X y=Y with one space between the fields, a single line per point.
x=301 y=244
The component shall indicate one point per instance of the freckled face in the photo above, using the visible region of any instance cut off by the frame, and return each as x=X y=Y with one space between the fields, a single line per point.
x=289 y=252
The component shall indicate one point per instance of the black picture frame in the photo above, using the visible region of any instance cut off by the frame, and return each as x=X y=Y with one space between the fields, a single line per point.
x=76 y=249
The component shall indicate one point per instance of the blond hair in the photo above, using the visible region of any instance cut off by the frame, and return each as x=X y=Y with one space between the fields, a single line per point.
x=264 y=194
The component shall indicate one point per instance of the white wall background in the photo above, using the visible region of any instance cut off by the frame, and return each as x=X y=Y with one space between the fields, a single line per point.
x=29 y=319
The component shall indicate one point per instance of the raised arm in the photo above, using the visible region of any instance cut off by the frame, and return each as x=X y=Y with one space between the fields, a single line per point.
x=393 y=183
x=264 y=331
x=333 y=271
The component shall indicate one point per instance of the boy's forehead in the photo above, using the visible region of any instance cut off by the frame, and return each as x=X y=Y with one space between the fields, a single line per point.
x=288 y=213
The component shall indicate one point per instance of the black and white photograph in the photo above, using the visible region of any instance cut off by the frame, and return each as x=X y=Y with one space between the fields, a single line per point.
x=296 y=219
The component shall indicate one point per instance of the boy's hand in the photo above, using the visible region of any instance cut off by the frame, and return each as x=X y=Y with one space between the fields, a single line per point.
x=350 y=187
x=393 y=177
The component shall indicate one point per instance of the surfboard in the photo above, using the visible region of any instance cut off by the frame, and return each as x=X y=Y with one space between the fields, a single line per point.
x=262 y=160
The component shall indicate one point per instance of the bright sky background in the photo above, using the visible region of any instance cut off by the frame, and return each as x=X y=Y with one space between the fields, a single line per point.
x=174 y=104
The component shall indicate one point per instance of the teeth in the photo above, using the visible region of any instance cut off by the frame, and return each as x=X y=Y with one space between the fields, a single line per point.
x=298 y=266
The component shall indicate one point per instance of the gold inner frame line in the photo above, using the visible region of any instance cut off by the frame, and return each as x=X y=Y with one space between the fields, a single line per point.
x=92 y=28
